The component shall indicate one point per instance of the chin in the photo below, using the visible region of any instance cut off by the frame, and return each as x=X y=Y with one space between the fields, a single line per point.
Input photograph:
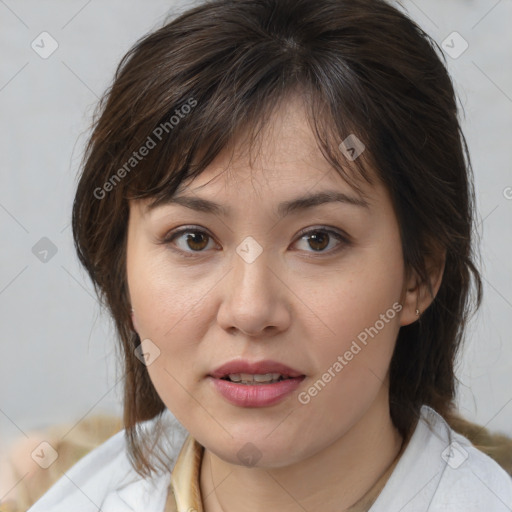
x=258 y=450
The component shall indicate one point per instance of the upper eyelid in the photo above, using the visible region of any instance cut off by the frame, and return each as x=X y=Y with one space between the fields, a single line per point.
x=185 y=229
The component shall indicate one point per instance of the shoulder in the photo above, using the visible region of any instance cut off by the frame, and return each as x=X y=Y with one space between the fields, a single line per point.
x=89 y=479
x=105 y=478
x=440 y=471
x=471 y=480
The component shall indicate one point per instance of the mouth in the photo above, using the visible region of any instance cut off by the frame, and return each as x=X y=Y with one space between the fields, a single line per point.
x=255 y=384
x=255 y=372
x=249 y=379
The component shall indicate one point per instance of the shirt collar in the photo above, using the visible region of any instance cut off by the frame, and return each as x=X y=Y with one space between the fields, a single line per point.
x=184 y=491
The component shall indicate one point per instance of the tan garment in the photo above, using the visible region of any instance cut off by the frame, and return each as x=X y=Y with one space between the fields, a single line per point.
x=27 y=481
x=185 y=494
x=184 y=491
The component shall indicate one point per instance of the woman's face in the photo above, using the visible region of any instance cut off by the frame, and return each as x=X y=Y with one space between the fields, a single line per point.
x=315 y=287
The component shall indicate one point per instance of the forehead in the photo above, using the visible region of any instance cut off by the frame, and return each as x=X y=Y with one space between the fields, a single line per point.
x=283 y=153
x=283 y=160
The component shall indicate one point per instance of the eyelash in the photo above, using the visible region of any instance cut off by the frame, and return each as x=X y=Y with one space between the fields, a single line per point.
x=171 y=236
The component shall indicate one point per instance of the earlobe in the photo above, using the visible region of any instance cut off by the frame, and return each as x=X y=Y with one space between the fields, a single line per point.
x=134 y=322
x=410 y=301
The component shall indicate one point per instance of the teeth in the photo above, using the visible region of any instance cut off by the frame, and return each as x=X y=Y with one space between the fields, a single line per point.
x=266 y=377
x=248 y=378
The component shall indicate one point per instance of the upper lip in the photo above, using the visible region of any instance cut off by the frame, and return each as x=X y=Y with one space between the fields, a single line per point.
x=255 y=367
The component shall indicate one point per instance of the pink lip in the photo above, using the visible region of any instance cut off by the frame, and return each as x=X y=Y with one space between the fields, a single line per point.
x=255 y=395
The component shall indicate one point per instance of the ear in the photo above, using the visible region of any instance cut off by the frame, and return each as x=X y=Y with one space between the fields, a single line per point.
x=416 y=294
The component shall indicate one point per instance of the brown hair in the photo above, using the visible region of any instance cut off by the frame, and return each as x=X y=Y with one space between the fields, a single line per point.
x=363 y=68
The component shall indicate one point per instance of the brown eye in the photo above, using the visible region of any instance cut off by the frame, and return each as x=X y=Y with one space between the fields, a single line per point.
x=188 y=241
x=196 y=240
x=319 y=240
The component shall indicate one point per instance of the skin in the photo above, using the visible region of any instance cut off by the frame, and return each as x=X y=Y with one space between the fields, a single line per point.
x=293 y=304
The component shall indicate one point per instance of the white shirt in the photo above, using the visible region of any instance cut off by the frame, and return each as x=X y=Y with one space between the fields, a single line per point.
x=439 y=471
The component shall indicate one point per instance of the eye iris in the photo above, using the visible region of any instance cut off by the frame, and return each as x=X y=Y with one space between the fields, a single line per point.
x=192 y=238
x=319 y=237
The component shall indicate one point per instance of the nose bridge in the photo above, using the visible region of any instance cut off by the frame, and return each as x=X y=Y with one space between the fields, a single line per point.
x=251 y=302
x=251 y=270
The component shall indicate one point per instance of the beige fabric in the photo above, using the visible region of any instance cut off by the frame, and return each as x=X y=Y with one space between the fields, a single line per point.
x=23 y=482
x=184 y=492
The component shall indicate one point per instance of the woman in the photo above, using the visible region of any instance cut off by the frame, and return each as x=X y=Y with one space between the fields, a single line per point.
x=276 y=207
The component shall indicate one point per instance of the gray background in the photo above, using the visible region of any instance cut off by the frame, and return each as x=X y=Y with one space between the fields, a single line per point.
x=58 y=358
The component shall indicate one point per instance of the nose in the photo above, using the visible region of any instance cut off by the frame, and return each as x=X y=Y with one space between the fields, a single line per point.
x=255 y=298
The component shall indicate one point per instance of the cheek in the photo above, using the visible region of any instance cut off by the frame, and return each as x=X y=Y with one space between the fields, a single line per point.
x=164 y=302
x=168 y=315
x=360 y=313
x=352 y=361
x=168 y=311
x=361 y=341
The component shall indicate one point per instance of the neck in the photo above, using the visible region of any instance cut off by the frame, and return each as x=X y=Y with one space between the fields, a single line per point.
x=333 y=479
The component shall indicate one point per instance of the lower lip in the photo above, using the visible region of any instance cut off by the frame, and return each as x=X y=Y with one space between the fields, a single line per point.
x=256 y=395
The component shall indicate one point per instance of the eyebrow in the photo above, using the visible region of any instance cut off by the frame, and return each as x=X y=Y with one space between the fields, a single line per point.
x=285 y=208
